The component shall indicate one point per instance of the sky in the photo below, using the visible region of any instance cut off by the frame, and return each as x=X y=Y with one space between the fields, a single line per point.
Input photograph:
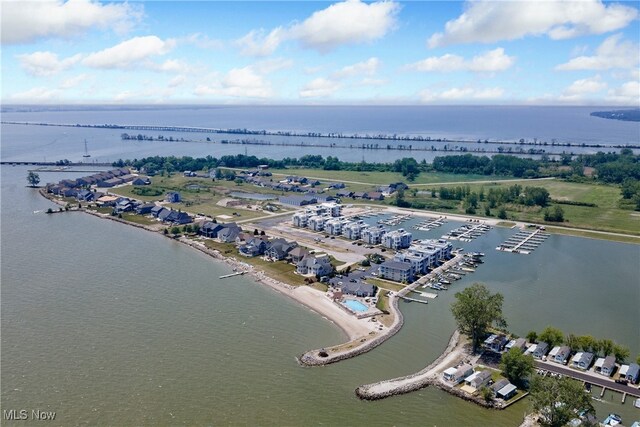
x=543 y=52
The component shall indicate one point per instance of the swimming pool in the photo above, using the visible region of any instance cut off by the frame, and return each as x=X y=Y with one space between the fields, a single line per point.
x=355 y=305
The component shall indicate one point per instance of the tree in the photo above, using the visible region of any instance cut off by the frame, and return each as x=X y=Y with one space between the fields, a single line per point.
x=475 y=309
x=33 y=179
x=621 y=352
x=557 y=400
x=516 y=366
x=532 y=336
x=573 y=342
x=175 y=230
x=606 y=346
x=552 y=336
x=502 y=213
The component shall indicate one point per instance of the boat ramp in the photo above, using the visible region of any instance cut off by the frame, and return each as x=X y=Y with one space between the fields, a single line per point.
x=524 y=242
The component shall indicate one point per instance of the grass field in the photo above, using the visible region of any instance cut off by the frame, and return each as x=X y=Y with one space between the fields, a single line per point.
x=611 y=214
x=381 y=178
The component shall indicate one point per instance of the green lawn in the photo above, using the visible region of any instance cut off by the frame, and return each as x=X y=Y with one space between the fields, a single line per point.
x=381 y=178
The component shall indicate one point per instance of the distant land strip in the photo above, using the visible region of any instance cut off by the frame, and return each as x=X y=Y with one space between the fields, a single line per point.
x=624 y=115
x=336 y=135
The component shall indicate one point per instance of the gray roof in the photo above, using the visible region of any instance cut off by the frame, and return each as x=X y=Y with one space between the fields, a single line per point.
x=633 y=370
x=498 y=385
x=355 y=288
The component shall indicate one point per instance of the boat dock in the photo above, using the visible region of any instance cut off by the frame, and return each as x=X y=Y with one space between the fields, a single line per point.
x=413 y=299
x=467 y=232
x=430 y=224
x=524 y=242
x=237 y=273
x=395 y=220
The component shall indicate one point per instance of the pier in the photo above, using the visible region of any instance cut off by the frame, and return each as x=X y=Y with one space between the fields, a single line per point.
x=467 y=232
x=430 y=224
x=238 y=273
x=413 y=299
x=524 y=242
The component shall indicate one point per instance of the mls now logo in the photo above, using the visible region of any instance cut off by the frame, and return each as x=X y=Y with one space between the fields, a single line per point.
x=23 y=414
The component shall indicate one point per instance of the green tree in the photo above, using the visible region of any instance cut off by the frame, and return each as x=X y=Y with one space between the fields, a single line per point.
x=475 y=310
x=557 y=400
x=175 y=230
x=572 y=342
x=552 y=336
x=33 y=179
x=502 y=213
x=532 y=336
x=516 y=366
x=587 y=343
x=606 y=346
x=487 y=394
x=621 y=352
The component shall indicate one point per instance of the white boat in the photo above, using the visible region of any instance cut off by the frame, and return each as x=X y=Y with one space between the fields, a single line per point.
x=612 y=420
x=636 y=403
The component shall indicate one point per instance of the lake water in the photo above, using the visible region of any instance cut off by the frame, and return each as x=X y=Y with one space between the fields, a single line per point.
x=29 y=143
x=108 y=324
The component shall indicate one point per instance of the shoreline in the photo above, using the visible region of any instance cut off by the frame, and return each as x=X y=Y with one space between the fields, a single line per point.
x=353 y=328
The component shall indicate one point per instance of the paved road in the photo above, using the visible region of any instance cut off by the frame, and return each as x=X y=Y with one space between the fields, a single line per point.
x=583 y=376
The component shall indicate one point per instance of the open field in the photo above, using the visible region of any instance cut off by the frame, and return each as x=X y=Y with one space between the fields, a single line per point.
x=610 y=214
x=380 y=178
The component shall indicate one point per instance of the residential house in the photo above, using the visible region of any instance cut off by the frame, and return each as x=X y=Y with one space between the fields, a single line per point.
x=633 y=373
x=582 y=360
x=254 y=247
x=298 y=200
x=397 y=239
x=478 y=379
x=141 y=180
x=606 y=365
x=337 y=185
x=396 y=271
x=314 y=266
x=145 y=209
x=495 y=387
x=375 y=195
x=507 y=392
x=297 y=254
x=562 y=355
x=157 y=210
x=541 y=350
x=496 y=343
x=344 y=194
x=85 y=196
x=178 y=217
x=458 y=374
x=68 y=192
x=229 y=233
x=124 y=205
x=172 y=197
x=279 y=249
x=519 y=343
x=210 y=229
x=358 y=289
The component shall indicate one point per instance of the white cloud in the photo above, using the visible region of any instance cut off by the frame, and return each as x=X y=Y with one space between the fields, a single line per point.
x=490 y=61
x=245 y=82
x=364 y=68
x=319 y=88
x=73 y=82
x=42 y=64
x=26 y=21
x=177 y=81
x=584 y=86
x=489 y=21
x=347 y=22
x=202 y=41
x=255 y=43
x=627 y=94
x=612 y=53
x=462 y=94
x=36 y=94
x=129 y=52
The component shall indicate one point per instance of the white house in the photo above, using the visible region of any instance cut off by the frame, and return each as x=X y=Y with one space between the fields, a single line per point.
x=353 y=230
x=373 y=235
x=300 y=219
x=333 y=226
x=478 y=379
x=397 y=239
x=608 y=365
x=316 y=223
x=313 y=266
x=458 y=374
x=582 y=360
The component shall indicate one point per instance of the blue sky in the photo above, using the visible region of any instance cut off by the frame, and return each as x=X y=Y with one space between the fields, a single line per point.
x=560 y=52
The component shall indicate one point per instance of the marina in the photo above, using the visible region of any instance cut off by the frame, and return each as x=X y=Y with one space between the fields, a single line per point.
x=395 y=220
x=524 y=242
x=468 y=232
x=430 y=224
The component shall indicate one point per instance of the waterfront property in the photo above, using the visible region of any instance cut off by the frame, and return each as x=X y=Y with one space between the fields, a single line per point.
x=397 y=239
x=314 y=266
x=478 y=379
x=496 y=342
x=582 y=360
x=607 y=365
x=561 y=355
x=396 y=271
x=541 y=349
x=358 y=289
x=519 y=343
x=456 y=375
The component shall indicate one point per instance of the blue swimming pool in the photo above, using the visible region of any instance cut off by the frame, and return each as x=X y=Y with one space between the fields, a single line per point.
x=355 y=305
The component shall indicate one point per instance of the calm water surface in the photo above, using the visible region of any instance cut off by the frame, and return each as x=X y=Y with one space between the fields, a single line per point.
x=108 y=324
